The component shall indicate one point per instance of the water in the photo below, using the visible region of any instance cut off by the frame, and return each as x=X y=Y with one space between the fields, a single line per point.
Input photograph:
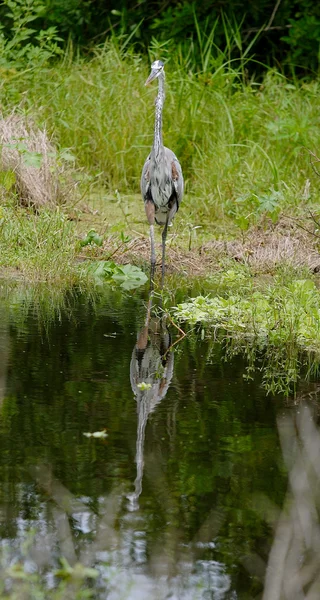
x=165 y=506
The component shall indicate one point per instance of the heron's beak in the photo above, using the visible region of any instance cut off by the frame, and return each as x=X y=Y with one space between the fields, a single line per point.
x=152 y=76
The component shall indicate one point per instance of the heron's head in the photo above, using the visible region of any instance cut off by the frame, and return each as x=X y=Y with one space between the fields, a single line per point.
x=157 y=68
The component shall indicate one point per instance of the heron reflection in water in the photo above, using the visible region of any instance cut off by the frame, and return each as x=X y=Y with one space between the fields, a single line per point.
x=151 y=371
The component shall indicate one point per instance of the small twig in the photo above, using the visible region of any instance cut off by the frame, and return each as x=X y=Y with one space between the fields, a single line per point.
x=273 y=14
x=316 y=159
x=314 y=219
x=115 y=251
x=128 y=248
x=182 y=333
x=174 y=343
x=312 y=164
x=275 y=27
x=304 y=228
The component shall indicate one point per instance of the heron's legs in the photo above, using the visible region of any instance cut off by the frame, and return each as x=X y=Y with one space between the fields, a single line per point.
x=150 y=210
x=164 y=237
x=153 y=255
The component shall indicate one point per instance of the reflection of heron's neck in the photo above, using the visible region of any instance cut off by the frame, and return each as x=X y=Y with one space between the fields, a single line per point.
x=157 y=143
x=143 y=414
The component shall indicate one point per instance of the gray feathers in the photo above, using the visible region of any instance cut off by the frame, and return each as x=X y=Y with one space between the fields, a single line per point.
x=162 y=184
x=161 y=179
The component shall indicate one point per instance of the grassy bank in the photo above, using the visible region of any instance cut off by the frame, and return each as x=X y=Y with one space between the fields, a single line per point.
x=243 y=145
x=246 y=149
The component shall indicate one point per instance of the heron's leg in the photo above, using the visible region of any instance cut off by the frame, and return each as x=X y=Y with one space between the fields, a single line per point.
x=149 y=308
x=164 y=237
x=153 y=257
x=150 y=210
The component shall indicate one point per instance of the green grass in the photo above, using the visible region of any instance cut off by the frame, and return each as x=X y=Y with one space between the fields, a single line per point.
x=242 y=145
x=37 y=246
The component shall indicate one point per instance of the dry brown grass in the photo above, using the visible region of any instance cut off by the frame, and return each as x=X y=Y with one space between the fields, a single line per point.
x=263 y=249
x=21 y=142
x=178 y=260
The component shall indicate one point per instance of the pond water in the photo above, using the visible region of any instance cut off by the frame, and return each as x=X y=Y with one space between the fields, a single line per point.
x=163 y=506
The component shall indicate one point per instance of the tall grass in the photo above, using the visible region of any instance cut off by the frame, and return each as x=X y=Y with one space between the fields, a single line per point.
x=37 y=246
x=242 y=143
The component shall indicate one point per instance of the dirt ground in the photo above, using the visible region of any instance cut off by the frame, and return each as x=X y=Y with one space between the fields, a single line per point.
x=262 y=248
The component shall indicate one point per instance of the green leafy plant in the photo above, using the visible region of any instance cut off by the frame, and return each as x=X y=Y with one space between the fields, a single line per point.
x=7 y=180
x=22 y=45
x=128 y=277
x=29 y=158
x=92 y=237
x=282 y=321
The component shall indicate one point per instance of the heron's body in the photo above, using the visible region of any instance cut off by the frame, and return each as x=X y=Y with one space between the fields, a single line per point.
x=162 y=184
x=161 y=179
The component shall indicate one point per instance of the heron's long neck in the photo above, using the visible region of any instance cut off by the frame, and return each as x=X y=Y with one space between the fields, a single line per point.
x=157 y=142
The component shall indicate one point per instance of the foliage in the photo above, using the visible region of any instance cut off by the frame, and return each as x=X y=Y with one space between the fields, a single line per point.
x=303 y=37
x=241 y=144
x=282 y=321
x=92 y=237
x=22 y=43
x=34 y=30
x=129 y=277
x=38 y=246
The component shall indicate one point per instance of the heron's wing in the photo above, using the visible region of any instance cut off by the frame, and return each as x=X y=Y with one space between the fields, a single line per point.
x=175 y=173
x=145 y=179
x=177 y=179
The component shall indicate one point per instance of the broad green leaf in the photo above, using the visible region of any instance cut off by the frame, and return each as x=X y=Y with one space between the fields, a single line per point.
x=130 y=277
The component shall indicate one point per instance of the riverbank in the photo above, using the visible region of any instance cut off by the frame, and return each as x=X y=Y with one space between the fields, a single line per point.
x=250 y=212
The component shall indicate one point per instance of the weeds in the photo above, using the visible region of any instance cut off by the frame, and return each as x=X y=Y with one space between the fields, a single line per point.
x=37 y=246
x=276 y=325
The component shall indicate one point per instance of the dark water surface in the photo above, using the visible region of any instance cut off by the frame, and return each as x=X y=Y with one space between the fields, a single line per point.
x=165 y=505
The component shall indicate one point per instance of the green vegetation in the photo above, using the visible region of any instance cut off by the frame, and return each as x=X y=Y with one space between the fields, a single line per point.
x=243 y=145
x=38 y=246
x=280 y=321
x=245 y=148
x=285 y=33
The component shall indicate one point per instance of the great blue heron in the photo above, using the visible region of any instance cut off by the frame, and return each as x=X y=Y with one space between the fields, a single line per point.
x=161 y=179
